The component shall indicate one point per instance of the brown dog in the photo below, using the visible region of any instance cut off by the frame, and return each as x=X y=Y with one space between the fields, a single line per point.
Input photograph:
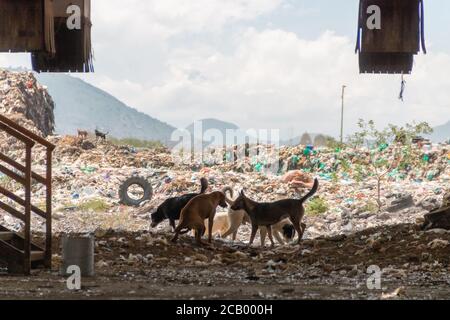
x=83 y=134
x=268 y=214
x=195 y=213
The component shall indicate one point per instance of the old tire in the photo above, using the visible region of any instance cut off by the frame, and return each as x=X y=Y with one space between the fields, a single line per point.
x=125 y=199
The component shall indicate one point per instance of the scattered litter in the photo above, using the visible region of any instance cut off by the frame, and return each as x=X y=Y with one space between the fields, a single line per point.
x=438 y=244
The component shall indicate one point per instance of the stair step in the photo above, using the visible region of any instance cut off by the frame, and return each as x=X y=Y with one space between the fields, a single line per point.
x=6 y=236
x=37 y=255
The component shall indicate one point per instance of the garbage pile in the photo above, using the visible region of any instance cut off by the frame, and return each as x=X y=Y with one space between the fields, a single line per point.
x=359 y=188
x=87 y=180
x=23 y=100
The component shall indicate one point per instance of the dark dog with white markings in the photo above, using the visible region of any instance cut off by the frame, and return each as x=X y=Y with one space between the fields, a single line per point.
x=101 y=135
x=268 y=214
x=171 y=208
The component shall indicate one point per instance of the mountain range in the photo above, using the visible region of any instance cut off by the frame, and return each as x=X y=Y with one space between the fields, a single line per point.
x=80 y=105
x=441 y=133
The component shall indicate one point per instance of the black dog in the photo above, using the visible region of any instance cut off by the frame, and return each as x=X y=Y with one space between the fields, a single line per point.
x=289 y=231
x=171 y=208
x=268 y=214
x=101 y=135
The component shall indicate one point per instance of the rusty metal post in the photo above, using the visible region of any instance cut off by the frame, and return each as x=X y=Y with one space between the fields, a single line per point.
x=27 y=235
x=342 y=114
x=48 y=238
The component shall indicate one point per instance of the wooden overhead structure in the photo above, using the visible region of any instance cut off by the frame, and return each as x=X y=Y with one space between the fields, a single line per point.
x=41 y=28
x=390 y=48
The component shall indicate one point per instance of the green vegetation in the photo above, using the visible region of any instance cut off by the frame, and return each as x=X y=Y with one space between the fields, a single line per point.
x=388 y=149
x=316 y=206
x=95 y=205
x=371 y=207
x=9 y=183
x=359 y=174
x=333 y=144
x=369 y=136
x=136 y=143
x=5 y=181
x=334 y=177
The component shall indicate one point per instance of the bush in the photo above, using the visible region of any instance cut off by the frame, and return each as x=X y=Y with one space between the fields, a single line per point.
x=95 y=205
x=371 y=207
x=148 y=144
x=316 y=206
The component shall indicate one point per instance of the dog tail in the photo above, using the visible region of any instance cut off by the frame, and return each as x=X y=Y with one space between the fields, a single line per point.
x=311 y=192
x=230 y=190
x=204 y=185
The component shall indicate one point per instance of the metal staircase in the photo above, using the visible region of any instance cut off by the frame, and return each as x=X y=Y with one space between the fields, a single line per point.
x=17 y=250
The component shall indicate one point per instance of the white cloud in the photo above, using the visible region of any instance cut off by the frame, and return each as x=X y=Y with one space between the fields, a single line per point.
x=171 y=17
x=274 y=79
x=14 y=60
x=133 y=40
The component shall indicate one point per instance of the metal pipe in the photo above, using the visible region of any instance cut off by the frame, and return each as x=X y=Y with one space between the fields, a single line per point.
x=27 y=236
x=342 y=114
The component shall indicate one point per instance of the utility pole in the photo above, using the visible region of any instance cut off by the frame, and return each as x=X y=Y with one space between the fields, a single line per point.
x=342 y=114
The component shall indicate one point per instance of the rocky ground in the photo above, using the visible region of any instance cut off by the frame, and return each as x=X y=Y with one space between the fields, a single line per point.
x=415 y=265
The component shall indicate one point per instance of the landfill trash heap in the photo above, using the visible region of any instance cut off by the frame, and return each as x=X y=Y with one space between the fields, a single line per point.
x=87 y=174
x=27 y=102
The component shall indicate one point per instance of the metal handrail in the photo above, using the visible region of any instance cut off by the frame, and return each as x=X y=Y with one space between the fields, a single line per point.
x=30 y=139
x=26 y=133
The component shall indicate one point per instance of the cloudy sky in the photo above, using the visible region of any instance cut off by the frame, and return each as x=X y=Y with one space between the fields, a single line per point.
x=258 y=63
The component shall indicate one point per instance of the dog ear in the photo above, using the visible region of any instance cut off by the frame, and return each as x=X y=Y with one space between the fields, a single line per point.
x=242 y=193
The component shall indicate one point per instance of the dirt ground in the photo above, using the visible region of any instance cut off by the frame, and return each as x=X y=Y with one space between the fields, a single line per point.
x=147 y=265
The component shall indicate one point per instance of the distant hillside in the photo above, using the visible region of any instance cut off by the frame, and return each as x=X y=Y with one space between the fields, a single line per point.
x=242 y=135
x=441 y=133
x=79 y=105
x=208 y=124
x=213 y=126
x=295 y=141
